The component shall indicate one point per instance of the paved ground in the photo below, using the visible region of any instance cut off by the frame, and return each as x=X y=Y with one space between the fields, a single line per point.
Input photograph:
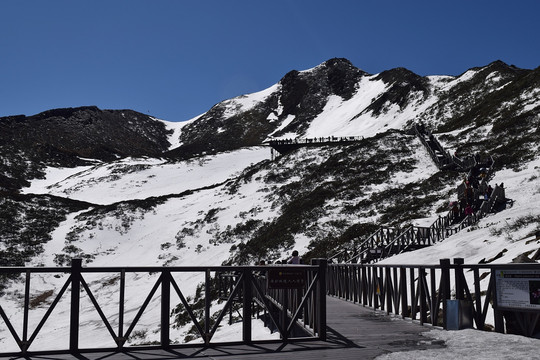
x=354 y=332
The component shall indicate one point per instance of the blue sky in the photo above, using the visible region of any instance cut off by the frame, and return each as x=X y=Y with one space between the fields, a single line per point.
x=174 y=59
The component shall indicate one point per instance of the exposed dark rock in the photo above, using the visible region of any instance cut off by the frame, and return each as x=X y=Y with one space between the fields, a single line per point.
x=402 y=84
x=304 y=94
x=65 y=137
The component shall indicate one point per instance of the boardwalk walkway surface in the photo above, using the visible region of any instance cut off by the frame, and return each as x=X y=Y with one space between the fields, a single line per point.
x=354 y=332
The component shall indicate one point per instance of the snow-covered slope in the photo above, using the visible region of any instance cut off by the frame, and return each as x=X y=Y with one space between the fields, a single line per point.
x=140 y=178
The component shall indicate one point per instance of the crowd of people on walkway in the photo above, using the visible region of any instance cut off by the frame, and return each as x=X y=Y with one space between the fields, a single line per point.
x=473 y=192
x=316 y=140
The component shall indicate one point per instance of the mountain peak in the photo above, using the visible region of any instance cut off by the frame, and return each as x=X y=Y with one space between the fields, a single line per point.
x=338 y=62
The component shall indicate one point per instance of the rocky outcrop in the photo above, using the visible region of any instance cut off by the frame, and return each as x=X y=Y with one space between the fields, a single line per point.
x=66 y=137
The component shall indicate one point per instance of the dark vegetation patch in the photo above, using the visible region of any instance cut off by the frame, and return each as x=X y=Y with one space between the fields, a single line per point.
x=515 y=133
x=27 y=222
x=328 y=246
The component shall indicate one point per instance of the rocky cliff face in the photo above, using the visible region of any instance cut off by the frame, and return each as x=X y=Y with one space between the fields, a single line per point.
x=249 y=120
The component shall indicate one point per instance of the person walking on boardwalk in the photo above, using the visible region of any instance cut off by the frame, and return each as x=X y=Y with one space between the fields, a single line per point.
x=295 y=259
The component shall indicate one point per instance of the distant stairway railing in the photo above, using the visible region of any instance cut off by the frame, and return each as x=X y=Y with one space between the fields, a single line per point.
x=388 y=241
x=438 y=154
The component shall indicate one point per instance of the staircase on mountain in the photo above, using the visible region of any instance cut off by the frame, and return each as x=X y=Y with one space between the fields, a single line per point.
x=388 y=241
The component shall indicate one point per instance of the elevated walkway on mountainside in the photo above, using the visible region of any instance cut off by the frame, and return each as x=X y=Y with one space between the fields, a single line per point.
x=287 y=145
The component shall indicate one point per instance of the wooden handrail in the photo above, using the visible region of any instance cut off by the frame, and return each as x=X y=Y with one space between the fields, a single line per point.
x=245 y=290
x=419 y=292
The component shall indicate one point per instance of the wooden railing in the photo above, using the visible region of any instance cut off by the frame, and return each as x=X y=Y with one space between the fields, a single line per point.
x=247 y=284
x=387 y=241
x=419 y=292
x=286 y=145
x=439 y=156
x=297 y=313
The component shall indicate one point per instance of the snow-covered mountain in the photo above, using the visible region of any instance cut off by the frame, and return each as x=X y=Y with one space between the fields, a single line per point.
x=119 y=187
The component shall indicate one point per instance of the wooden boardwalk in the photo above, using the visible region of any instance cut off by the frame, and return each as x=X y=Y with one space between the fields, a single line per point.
x=354 y=332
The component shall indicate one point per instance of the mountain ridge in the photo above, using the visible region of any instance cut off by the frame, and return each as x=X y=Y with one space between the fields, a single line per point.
x=334 y=98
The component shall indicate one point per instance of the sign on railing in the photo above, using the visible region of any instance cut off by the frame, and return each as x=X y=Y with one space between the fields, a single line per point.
x=517 y=289
x=286 y=278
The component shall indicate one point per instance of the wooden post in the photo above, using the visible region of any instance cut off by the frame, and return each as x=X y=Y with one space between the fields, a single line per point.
x=497 y=314
x=376 y=290
x=355 y=284
x=284 y=311
x=388 y=291
x=434 y=305
x=445 y=286
x=346 y=281
x=121 y=304
x=247 y=295
x=76 y=265
x=422 y=295
x=403 y=292
x=413 y=294
x=321 y=297
x=24 y=345
x=458 y=273
x=165 y=308
x=207 y=303
x=478 y=300
x=364 y=286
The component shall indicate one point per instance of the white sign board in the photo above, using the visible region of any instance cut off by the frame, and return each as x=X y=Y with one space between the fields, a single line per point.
x=518 y=289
